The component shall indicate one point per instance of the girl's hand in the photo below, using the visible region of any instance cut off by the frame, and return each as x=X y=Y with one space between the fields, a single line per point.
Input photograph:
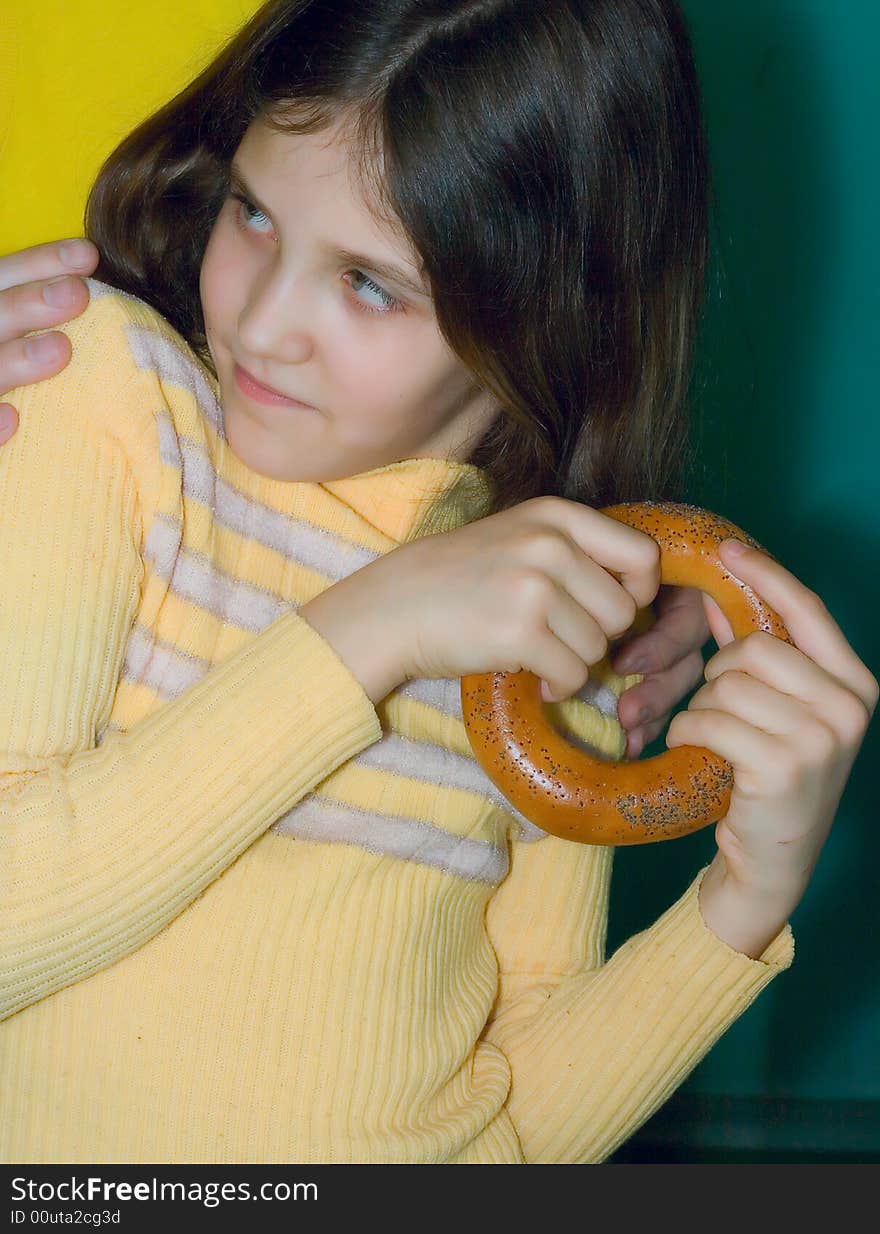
x=669 y=654
x=790 y=720
x=543 y=586
x=33 y=298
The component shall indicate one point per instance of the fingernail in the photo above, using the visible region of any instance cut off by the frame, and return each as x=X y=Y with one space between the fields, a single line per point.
x=60 y=293
x=75 y=253
x=7 y=419
x=42 y=348
x=735 y=548
x=634 y=746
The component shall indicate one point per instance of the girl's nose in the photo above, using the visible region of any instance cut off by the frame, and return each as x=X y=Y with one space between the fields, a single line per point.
x=277 y=320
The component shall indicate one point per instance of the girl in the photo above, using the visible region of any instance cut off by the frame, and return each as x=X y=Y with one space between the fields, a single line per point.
x=382 y=319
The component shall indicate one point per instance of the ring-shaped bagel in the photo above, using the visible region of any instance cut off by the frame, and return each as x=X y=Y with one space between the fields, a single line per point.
x=579 y=796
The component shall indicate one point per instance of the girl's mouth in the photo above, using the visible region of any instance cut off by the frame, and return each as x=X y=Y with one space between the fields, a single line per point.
x=264 y=394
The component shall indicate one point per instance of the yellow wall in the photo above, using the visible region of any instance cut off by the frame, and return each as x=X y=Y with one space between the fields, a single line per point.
x=75 y=77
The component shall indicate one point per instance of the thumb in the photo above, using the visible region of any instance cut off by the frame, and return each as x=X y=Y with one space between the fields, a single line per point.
x=718 y=623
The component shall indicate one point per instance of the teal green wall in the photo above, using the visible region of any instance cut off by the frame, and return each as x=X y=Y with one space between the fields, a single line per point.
x=785 y=407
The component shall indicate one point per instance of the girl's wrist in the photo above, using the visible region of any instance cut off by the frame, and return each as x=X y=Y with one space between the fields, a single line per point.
x=747 y=920
x=343 y=615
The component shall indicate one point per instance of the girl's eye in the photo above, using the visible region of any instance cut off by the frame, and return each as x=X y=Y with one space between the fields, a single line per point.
x=248 y=212
x=391 y=305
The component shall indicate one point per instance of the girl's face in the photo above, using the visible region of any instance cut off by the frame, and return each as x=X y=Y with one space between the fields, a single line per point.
x=285 y=299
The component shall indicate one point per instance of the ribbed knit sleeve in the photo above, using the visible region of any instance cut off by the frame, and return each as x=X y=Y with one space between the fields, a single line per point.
x=596 y=1047
x=101 y=845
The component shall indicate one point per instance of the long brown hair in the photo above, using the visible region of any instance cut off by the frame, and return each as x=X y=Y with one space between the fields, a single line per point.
x=548 y=163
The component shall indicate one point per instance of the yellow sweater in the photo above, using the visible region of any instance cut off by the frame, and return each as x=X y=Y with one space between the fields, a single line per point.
x=246 y=915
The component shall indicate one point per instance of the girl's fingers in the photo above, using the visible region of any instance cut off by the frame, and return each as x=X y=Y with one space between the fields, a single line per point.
x=40 y=287
x=778 y=664
x=659 y=692
x=750 y=751
x=734 y=691
x=638 y=738
x=721 y=629
x=8 y=422
x=680 y=628
x=644 y=709
x=808 y=621
x=22 y=365
x=47 y=261
x=754 y=702
x=33 y=306
x=788 y=671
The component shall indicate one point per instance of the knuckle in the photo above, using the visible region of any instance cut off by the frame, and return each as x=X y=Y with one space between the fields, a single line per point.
x=539 y=543
x=755 y=647
x=533 y=588
x=650 y=550
x=8 y=371
x=547 y=506
x=819 y=743
x=578 y=682
x=597 y=645
x=509 y=640
x=19 y=367
x=73 y=296
x=550 y=503
x=531 y=581
x=757 y=641
x=11 y=312
x=572 y=680
x=815 y=600
x=646 y=568
x=527 y=611
x=727 y=685
x=627 y=609
x=854 y=716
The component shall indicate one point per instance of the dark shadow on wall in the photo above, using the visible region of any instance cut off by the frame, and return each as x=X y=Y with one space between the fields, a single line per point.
x=831 y=997
x=777 y=235
x=776 y=229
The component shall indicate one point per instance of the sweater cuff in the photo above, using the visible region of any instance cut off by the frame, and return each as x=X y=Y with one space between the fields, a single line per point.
x=777 y=955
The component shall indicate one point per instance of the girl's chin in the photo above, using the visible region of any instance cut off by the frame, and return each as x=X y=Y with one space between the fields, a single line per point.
x=262 y=455
x=256 y=449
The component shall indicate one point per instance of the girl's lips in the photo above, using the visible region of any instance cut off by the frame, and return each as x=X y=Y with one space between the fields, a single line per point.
x=263 y=394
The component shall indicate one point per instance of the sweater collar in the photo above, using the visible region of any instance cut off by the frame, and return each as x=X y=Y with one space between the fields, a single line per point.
x=403 y=500
x=416 y=496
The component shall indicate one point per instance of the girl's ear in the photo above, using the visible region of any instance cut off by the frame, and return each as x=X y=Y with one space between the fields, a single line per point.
x=718 y=623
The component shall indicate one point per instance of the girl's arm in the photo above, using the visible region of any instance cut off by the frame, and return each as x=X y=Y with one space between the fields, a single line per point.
x=102 y=846
x=595 y=1046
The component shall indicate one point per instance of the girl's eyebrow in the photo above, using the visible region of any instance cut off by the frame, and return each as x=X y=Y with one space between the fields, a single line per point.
x=394 y=274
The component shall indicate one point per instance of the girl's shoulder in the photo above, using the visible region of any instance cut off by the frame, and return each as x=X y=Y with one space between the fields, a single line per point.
x=131 y=330
x=99 y=395
x=131 y=391
x=116 y=318
x=132 y=376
